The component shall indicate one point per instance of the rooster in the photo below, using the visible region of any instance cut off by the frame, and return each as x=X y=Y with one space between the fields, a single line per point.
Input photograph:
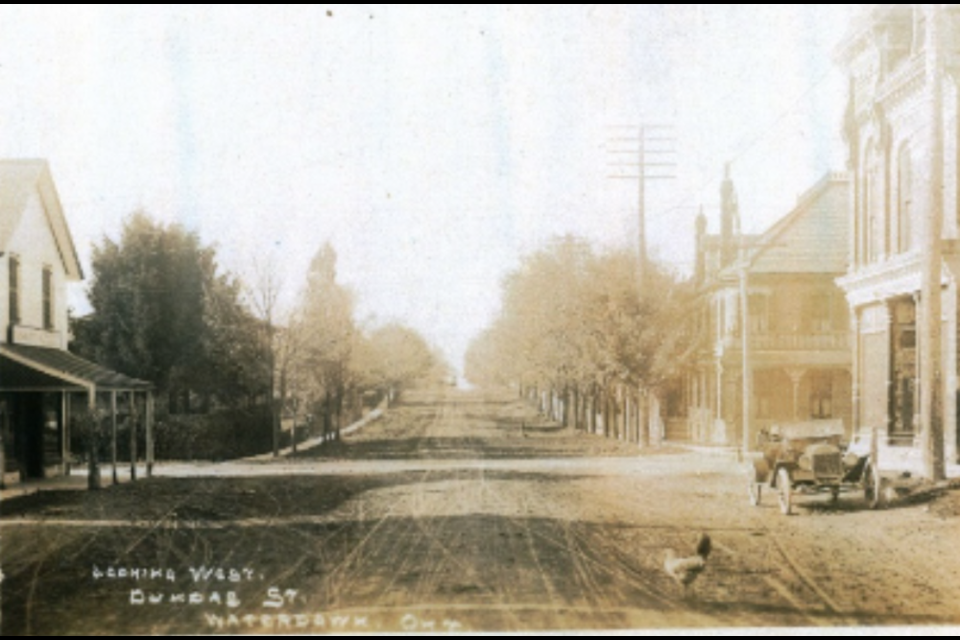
x=686 y=570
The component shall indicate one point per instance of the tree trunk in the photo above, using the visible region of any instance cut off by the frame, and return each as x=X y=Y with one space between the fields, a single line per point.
x=591 y=419
x=643 y=414
x=327 y=415
x=624 y=426
x=605 y=408
x=339 y=415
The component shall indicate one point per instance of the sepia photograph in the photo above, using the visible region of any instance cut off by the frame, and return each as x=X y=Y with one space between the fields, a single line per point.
x=479 y=319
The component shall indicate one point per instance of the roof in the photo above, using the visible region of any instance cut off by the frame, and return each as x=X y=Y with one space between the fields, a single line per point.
x=21 y=179
x=24 y=367
x=812 y=238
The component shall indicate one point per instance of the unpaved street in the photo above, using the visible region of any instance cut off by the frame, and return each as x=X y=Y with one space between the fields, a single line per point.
x=444 y=516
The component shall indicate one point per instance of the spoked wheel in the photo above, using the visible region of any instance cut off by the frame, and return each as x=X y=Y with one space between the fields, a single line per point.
x=834 y=494
x=871 y=486
x=784 y=491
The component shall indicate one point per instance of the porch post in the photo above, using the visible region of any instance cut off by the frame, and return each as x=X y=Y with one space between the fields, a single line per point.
x=747 y=365
x=133 y=436
x=65 y=431
x=93 y=473
x=3 y=459
x=856 y=368
x=149 y=428
x=113 y=433
x=796 y=375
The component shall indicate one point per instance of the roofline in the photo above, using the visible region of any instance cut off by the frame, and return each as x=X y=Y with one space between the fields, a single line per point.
x=60 y=375
x=47 y=187
x=780 y=226
x=89 y=386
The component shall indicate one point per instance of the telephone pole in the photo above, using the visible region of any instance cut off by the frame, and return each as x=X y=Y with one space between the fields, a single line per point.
x=931 y=378
x=651 y=145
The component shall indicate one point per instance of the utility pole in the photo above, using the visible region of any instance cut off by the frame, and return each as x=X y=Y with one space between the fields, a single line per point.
x=931 y=380
x=650 y=142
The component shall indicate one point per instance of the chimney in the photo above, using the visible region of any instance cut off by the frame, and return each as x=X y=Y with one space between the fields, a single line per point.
x=700 y=273
x=729 y=220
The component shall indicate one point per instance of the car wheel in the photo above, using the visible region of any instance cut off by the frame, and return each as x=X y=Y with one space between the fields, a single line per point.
x=834 y=494
x=784 y=491
x=871 y=486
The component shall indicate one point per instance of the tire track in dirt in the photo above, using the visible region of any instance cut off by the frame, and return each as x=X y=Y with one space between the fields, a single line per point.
x=434 y=507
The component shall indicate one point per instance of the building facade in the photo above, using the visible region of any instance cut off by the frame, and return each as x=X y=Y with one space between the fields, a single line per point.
x=793 y=351
x=41 y=383
x=902 y=130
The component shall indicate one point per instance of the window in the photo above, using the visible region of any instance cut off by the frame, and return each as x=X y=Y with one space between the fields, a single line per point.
x=47 y=298
x=821 y=316
x=758 y=313
x=14 y=290
x=904 y=200
x=874 y=245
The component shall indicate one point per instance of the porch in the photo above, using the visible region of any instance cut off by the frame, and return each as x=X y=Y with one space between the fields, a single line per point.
x=57 y=409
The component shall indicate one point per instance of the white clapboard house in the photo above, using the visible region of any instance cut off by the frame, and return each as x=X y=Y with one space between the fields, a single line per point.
x=44 y=389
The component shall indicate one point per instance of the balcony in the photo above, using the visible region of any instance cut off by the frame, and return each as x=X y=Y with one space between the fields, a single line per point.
x=819 y=341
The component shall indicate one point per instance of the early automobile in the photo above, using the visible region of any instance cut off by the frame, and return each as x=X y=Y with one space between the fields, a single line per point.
x=811 y=457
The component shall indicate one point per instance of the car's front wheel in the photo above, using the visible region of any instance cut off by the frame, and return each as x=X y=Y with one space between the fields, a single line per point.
x=871 y=486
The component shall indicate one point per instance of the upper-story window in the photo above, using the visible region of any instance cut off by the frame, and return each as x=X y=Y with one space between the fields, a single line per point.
x=904 y=200
x=820 y=312
x=758 y=313
x=47 y=298
x=874 y=206
x=14 y=289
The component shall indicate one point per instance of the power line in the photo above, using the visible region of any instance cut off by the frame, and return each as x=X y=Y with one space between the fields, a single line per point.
x=750 y=143
x=642 y=152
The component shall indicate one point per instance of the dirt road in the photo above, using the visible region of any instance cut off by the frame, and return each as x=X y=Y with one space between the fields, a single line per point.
x=443 y=516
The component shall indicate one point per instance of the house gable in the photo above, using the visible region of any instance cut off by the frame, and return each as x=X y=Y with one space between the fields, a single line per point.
x=34 y=235
x=813 y=238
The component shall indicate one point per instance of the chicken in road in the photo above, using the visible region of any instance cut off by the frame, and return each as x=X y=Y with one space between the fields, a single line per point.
x=684 y=570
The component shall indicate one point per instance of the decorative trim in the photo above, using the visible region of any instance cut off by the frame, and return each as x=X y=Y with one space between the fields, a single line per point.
x=897 y=276
x=906 y=80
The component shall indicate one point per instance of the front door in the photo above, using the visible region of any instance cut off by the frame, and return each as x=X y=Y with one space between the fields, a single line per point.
x=903 y=367
x=28 y=433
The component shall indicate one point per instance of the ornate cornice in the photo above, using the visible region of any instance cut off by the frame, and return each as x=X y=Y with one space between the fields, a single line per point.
x=897 y=276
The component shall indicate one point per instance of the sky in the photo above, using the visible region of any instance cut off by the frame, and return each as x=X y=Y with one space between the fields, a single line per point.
x=432 y=145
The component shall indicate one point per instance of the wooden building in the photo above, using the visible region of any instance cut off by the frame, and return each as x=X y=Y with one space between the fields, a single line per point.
x=45 y=389
x=793 y=351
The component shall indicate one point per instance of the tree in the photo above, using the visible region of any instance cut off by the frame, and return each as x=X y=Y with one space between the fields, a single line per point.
x=403 y=357
x=262 y=295
x=575 y=333
x=328 y=336
x=162 y=311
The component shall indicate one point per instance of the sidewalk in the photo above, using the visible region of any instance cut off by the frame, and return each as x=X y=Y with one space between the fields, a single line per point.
x=77 y=480
x=316 y=442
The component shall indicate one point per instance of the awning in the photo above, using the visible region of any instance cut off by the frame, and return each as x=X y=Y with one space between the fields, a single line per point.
x=26 y=368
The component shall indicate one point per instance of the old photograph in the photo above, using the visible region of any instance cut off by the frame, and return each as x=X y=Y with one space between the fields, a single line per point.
x=479 y=319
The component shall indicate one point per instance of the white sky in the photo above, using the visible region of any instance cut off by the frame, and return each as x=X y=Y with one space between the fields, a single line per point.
x=431 y=144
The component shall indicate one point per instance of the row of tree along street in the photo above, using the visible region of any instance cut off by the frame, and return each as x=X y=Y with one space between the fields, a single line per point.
x=229 y=366
x=578 y=335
